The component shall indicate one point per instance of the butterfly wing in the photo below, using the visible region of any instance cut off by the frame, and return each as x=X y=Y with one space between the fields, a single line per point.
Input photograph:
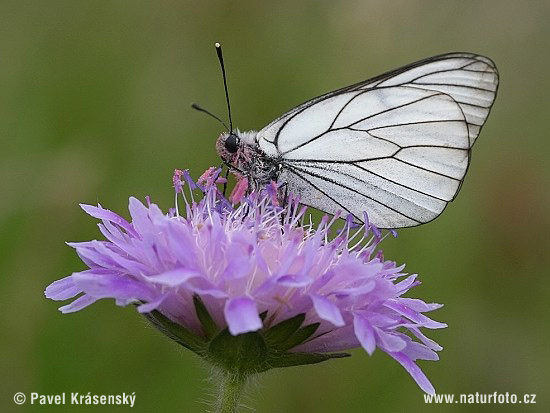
x=396 y=146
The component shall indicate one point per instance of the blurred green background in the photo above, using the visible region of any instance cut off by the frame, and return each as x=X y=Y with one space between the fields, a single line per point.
x=95 y=106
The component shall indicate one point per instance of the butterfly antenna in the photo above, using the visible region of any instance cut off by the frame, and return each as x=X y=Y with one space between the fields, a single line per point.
x=220 y=58
x=201 y=109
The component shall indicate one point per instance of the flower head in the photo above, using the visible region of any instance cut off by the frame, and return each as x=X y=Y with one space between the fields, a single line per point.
x=257 y=272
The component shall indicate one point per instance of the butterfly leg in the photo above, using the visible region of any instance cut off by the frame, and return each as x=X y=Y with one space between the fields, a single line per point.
x=285 y=199
x=226 y=179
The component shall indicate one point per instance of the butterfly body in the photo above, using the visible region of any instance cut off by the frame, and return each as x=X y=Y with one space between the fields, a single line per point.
x=396 y=146
x=240 y=151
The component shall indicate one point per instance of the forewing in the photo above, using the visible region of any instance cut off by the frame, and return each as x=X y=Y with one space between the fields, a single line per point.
x=396 y=146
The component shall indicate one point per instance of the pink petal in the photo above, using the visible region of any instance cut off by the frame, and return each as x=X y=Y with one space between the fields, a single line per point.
x=239 y=190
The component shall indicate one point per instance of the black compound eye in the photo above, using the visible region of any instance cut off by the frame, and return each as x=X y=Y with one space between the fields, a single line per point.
x=232 y=143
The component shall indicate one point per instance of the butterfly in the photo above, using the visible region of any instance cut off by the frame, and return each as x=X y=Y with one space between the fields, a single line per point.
x=397 y=145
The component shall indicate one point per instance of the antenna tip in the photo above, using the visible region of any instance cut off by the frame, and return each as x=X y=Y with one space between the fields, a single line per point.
x=217 y=45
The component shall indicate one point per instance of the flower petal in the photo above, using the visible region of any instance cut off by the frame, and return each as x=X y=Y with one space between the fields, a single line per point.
x=175 y=277
x=112 y=285
x=407 y=283
x=140 y=216
x=241 y=315
x=417 y=374
x=419 y=305
x=427 y=341
x=293 y=280
x=78 y=304
x=390 y=341
x=150 y=306
x=416 y=351
x=239 y=190
x=62 y=289
x=327 y=310
x=358 y=290
x=238 y=267
x=364 y=332
x=413 y=315
x=104 y=214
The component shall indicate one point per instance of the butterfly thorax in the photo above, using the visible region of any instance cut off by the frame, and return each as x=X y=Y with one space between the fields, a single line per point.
x=240 y=151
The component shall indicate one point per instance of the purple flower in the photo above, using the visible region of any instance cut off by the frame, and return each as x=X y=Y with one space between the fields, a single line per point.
x=256 y=270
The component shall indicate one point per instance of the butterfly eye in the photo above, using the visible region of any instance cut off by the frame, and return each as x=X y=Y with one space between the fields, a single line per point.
x=232 y=143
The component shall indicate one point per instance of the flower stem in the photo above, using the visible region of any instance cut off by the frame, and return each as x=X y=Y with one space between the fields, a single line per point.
x=230 y=390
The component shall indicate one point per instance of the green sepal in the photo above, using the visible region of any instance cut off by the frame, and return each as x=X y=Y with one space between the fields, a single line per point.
x=299 y=336
x=208 y=324
x=299 y=359
x=280 y=333
x=248 y=353
x=176 y=332
x=243 y=354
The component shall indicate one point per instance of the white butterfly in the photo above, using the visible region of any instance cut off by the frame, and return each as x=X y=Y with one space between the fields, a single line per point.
x=396 y=146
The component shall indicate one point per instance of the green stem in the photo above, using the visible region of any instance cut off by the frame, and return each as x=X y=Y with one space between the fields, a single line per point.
x=230 y=390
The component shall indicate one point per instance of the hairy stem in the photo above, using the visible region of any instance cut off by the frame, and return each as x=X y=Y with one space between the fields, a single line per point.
x=230 y=390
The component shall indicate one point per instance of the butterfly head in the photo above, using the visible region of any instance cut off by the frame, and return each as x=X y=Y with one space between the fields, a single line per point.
x=238 y=149
x=228 y=145
x=231 y=143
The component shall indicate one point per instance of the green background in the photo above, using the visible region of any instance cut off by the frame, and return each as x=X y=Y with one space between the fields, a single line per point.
x=95 y=106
